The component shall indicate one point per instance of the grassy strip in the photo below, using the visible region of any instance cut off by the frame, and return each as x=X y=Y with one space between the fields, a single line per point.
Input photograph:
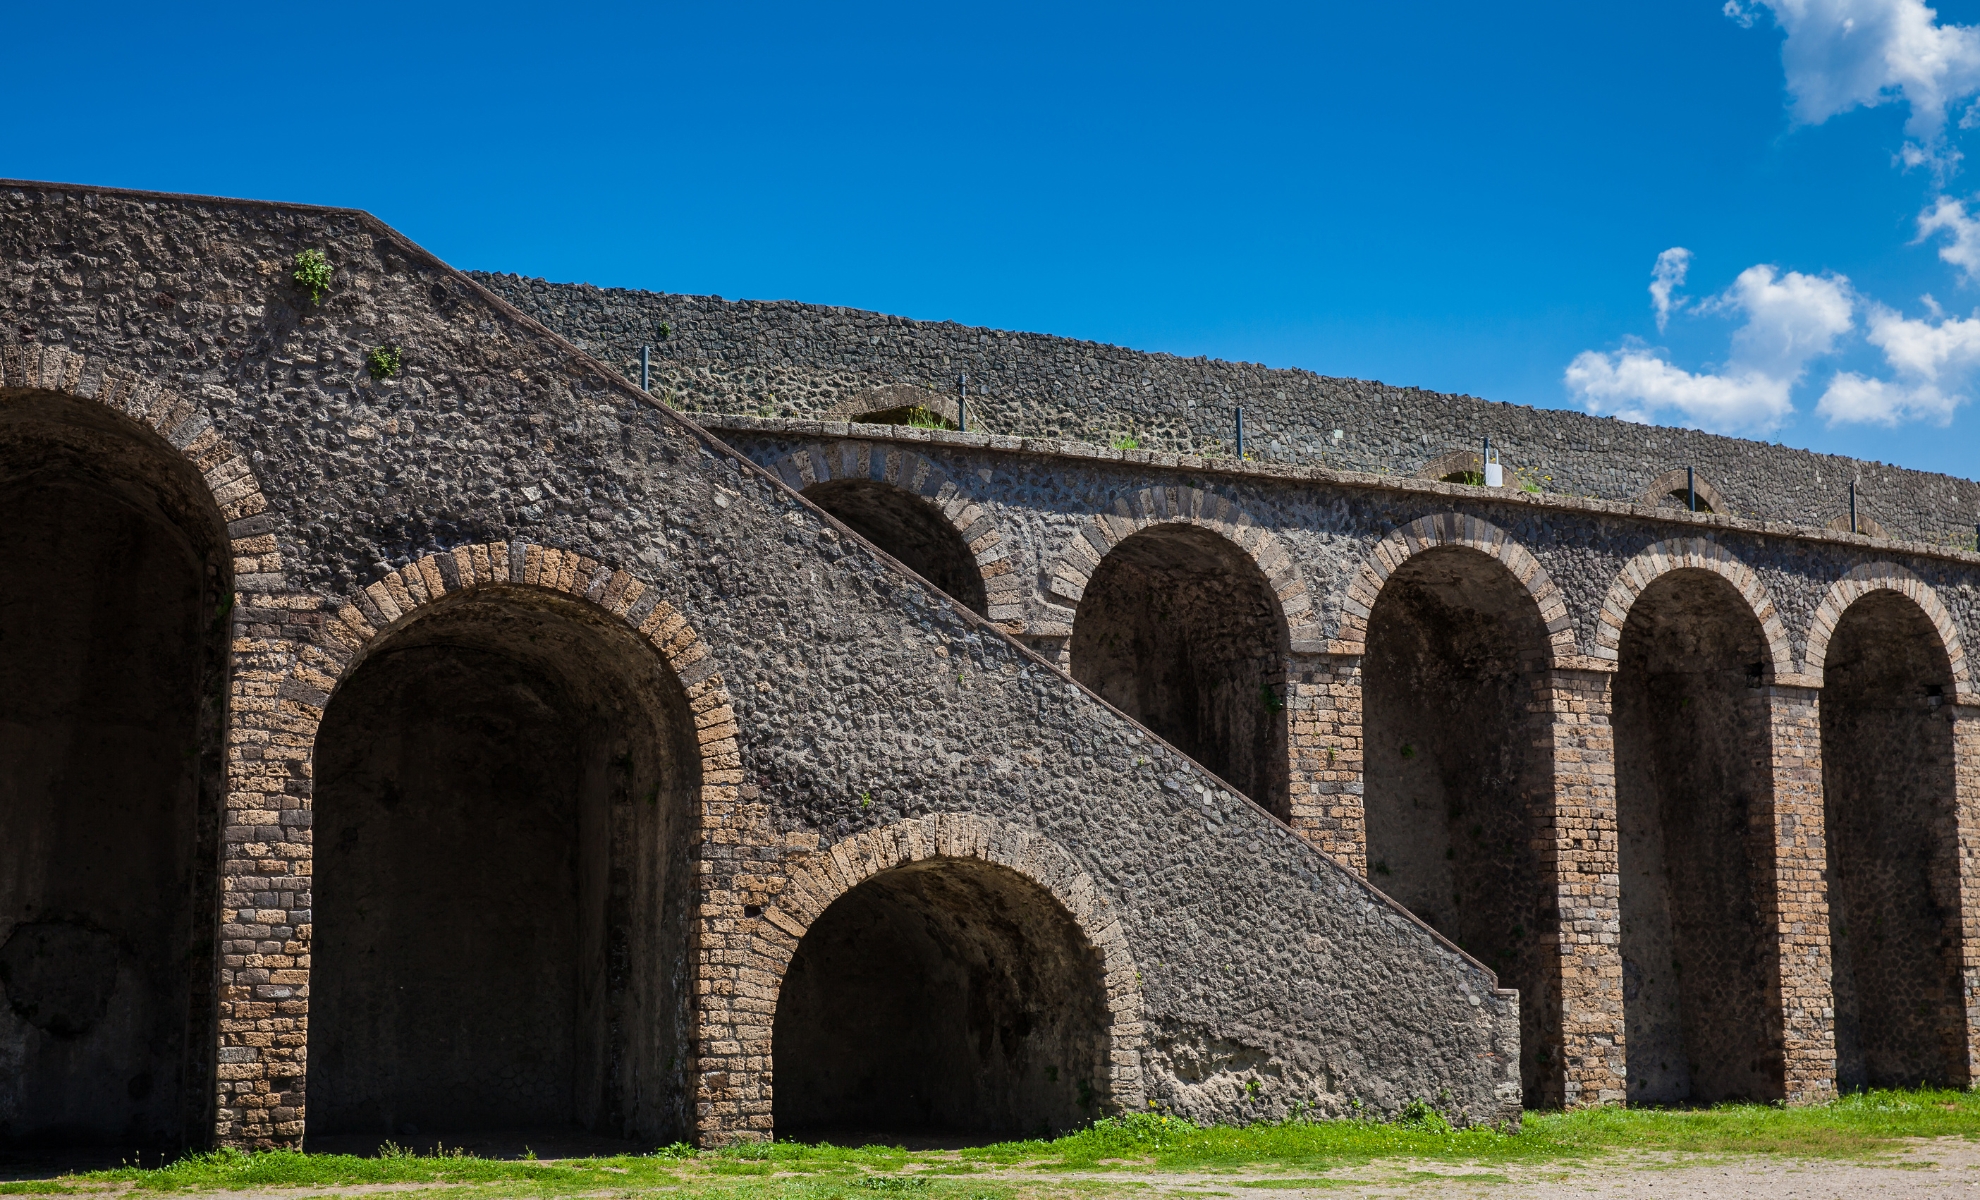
x=1853 y=1127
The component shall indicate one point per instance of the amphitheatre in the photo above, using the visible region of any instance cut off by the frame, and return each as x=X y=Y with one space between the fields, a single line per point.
x=436 y=702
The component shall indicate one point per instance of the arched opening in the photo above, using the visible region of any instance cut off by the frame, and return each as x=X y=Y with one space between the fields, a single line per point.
x=504 y=805
x=114 y=580
x=950 y=996
x=1889 y=788
x=1677 y=489
x=1179 y=629
x=1455 y=769
x=909 y=528
x=900 y=404
x=1692 y=780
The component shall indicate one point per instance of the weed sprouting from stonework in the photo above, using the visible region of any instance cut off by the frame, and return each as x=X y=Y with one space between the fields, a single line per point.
x=313 y=273
x=383 y=362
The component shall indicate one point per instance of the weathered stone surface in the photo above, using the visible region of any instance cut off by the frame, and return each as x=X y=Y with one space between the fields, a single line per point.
x=778 y=358
x=834 y=697
x=841 y=725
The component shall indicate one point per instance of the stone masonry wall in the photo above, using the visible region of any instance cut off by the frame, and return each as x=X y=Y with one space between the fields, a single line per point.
x=785 y=359
x=836 y=700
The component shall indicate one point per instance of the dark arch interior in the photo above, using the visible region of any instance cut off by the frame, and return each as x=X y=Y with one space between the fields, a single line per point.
x=909 y=528
x=1682 y=499
x=1692 y=774
x=1456 y=649
x=947 y=997
x=504 y=791
x=1888 y=780
x=1178 y=629
x=113 y=654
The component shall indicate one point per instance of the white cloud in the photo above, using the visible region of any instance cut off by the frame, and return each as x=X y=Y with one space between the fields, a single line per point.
x=1853 y=399
x=1842 y=54
x=1949 y=216
x=1791 y=319
x=1928 y=358
x=1636 y=385
x=1667 y=275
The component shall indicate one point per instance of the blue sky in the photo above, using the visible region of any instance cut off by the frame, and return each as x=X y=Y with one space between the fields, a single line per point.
x=1455 y=196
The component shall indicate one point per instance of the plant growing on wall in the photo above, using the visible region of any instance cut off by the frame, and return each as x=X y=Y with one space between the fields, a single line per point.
x=313 y=274
x=383 y=362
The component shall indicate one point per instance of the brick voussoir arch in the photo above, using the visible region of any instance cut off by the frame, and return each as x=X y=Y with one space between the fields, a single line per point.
x=1886 y=577
x=872 y=462
x=397 y=597
x=1694 y=554
x=1179 y=504
x=183 y=423
x=1456 y=529
x=813 y=883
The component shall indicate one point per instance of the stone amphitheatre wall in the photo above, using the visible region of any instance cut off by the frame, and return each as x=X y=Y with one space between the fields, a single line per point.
x=733 y=710
x=784 y=359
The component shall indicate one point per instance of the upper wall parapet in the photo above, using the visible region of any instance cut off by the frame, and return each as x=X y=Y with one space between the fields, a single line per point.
x=785 y=359
x=1701 y=521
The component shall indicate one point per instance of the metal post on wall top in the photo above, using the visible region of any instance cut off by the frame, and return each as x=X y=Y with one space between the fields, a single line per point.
x=1852 y=506
x=645 y=368
x=962 y=403
x=1691 y=488
x=1240 y=433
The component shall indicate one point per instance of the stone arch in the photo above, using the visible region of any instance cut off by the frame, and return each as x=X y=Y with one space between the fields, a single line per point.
x=1690 y=553
x=855 y=462
x=1180 y=504
x=1459 y=463
x=895 y=404
x=183 y=423
x=1456 y=529
x=177 y=531
x=1886 y=576
x=627 y=1067
x=815 y=882
x=1672 y=484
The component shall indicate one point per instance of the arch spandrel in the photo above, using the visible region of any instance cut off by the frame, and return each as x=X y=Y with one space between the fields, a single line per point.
x=813 y=883
x=1067 y=577
x=1448 y=529
x=1690 y=554
x=1886 y=577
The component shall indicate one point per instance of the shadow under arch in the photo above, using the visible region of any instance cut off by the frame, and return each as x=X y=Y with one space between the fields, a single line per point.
x=950 y=974
x=1695 y=646
x=1457 y=778
x=1890 y=808
x=1178 y=628
x=116 y=576
x=506 y=801
x=911 y=529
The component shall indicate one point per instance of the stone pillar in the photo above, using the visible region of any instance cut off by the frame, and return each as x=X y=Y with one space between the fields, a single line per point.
x=1576 y=840
x=283 y=670
x=1790 y=857
x=1323 y=701
x=1966 y=783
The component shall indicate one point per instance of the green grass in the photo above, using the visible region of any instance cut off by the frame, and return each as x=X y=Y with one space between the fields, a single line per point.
x=1861 y=1126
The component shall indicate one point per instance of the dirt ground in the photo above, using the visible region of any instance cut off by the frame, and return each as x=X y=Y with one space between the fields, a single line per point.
x=1942 y=1167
